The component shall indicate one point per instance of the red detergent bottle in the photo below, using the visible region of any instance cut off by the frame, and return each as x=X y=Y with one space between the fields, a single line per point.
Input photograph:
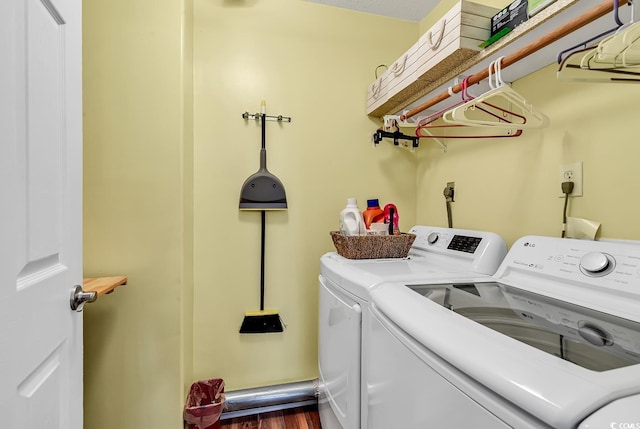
x=391 y=216
x=373 y=213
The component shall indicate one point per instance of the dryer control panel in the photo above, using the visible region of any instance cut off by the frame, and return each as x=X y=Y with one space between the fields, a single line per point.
x=480 y=251
x=453 y=241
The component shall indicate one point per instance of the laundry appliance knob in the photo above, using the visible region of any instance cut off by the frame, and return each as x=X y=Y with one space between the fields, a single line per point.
x=433 y=238
x=596 y=264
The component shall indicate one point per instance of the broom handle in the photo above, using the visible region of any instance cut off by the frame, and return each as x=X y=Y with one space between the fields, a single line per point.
x=264 y=131
x=263 y=213
x=264 y=146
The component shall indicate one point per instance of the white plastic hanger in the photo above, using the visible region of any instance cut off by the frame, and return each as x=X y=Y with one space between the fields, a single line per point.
x=426 y=127
x=621 y=49
x=616 y=59
x=526 y=115
x=618 y=51
x=571 y=70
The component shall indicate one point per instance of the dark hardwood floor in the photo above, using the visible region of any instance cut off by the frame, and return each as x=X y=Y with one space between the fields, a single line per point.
x=294 y=418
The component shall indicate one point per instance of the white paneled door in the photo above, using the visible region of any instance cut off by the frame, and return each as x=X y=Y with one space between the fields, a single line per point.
x=40 y=213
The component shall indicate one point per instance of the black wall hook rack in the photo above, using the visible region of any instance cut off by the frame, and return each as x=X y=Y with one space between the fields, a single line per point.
x=258 y=116
x=396 y=136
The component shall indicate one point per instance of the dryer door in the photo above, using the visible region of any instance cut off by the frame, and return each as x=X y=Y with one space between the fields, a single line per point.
x=339 y=349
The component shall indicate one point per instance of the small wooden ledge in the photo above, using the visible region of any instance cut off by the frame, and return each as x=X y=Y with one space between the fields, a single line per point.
x=103 y=285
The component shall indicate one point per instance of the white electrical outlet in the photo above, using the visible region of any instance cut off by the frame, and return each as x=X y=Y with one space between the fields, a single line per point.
x=571 y=173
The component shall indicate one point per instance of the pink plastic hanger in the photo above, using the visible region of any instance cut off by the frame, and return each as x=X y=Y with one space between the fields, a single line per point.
x=527 y=115
x=425 y=124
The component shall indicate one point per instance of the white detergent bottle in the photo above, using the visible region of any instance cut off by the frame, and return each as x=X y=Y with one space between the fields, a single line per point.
x=351 y=222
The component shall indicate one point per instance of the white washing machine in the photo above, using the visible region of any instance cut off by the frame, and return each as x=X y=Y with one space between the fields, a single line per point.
x=552 y=340
x=344 y=318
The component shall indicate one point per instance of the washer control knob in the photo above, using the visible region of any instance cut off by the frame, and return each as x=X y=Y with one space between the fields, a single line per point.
x=594 y=262
x=433 y=238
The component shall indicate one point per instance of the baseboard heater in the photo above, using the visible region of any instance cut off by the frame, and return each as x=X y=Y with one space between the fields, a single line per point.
x=256 y=400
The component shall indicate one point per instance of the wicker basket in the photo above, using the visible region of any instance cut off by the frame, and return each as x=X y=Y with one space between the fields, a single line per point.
x=372 y=246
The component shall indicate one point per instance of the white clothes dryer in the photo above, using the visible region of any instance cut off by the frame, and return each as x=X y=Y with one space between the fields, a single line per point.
x=552 y=340
x=344 y=297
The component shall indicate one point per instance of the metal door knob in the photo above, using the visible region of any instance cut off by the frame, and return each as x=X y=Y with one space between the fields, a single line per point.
x=80 y=297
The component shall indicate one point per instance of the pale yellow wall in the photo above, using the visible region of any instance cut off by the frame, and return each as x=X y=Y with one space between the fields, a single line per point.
x=149 y=191
x=312 y=63
x=136 y=169
x=511 y=186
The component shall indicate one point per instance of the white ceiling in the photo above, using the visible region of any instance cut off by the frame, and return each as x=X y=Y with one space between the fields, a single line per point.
x=410 y=10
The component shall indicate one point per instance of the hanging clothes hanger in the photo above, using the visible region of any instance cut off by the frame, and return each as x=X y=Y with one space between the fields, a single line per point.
x=615 y=59
x=571 y=70
x=493 y=111
x=527 y=116
x=626 y=57
x=425 y=125
x=618 y=50
x=586 y=43
x=422 y=125
x=427 y=132
x=396 y=135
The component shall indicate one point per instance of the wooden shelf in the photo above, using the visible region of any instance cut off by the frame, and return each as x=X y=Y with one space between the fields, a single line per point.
x=547 y=20
x=103 y=285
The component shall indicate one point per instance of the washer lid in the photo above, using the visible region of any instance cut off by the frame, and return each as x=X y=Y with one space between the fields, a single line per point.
x=556 y=391
x=585 y=337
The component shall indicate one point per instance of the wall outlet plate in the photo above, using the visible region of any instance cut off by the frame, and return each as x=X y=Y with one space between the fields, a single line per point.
x=571 y=173
x=450 y=191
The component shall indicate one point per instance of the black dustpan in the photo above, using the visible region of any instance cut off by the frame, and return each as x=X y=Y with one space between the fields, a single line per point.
x=263 y=190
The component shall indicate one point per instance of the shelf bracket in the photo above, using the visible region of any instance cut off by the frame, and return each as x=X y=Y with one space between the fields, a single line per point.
x=437 y=140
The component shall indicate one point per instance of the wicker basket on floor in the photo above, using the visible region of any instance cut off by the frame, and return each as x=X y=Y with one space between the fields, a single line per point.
x=372 y=246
